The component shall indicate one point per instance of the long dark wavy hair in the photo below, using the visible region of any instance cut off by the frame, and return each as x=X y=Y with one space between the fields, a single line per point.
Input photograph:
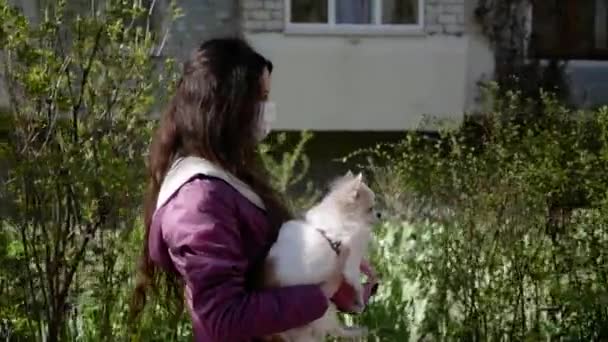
x=213 y=115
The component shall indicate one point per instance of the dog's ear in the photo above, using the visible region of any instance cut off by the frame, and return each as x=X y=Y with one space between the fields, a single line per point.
x=356 y=186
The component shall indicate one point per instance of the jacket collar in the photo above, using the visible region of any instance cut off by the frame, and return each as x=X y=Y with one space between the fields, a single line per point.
x=186 y=168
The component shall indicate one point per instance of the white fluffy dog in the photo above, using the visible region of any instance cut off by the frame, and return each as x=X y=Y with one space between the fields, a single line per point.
x=306 y=251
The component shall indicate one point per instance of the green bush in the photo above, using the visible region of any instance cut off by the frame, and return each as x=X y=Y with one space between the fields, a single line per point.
x=288 y=165
x=82 y=84
x=496 y=235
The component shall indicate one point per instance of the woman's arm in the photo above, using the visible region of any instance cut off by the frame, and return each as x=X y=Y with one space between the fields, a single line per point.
x=207 y=249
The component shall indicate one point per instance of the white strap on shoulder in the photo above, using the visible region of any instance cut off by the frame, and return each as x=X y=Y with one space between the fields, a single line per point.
x=184 y=169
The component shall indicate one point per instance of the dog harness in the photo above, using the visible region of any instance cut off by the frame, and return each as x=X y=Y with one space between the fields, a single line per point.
x=334 y=245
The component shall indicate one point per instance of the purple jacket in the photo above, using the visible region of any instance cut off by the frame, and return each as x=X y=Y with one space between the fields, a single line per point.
x=211 y=235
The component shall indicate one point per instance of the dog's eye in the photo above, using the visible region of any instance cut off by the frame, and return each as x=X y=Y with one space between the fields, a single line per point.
x=370 y=209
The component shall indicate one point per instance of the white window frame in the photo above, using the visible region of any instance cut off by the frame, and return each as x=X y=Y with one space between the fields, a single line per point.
x=376 y=28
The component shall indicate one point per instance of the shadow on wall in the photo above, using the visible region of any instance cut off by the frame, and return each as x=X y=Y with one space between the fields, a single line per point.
x=326 y=149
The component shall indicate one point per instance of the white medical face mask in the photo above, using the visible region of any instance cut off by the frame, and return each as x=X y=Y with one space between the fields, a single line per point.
x=267 y=117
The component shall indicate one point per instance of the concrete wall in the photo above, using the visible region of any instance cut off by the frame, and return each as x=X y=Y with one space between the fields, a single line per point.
x=372 y=82
x=336 y=83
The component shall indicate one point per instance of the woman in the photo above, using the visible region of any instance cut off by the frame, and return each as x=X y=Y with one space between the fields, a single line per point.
x=211 y=216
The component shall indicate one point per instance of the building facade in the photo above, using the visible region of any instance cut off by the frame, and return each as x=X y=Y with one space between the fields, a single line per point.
x=347 y=65
x=358 y=72
x=383 y=65
x=370 y=65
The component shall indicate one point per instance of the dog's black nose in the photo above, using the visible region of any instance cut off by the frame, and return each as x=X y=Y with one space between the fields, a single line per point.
x=378 y=215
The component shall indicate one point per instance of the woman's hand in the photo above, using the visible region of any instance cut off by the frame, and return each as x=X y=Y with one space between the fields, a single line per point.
x=332 y=284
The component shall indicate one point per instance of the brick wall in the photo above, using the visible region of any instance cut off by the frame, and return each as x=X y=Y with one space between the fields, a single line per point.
x=444 y=17
x=263 y=15
x=440 y=16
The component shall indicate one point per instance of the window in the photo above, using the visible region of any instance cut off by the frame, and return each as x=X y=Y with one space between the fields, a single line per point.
x=570 y=29
x=344 y=16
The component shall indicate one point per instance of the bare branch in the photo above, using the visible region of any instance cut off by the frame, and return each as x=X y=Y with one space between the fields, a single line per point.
x=161 y=47
x=149 y=16
x=83 y=83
